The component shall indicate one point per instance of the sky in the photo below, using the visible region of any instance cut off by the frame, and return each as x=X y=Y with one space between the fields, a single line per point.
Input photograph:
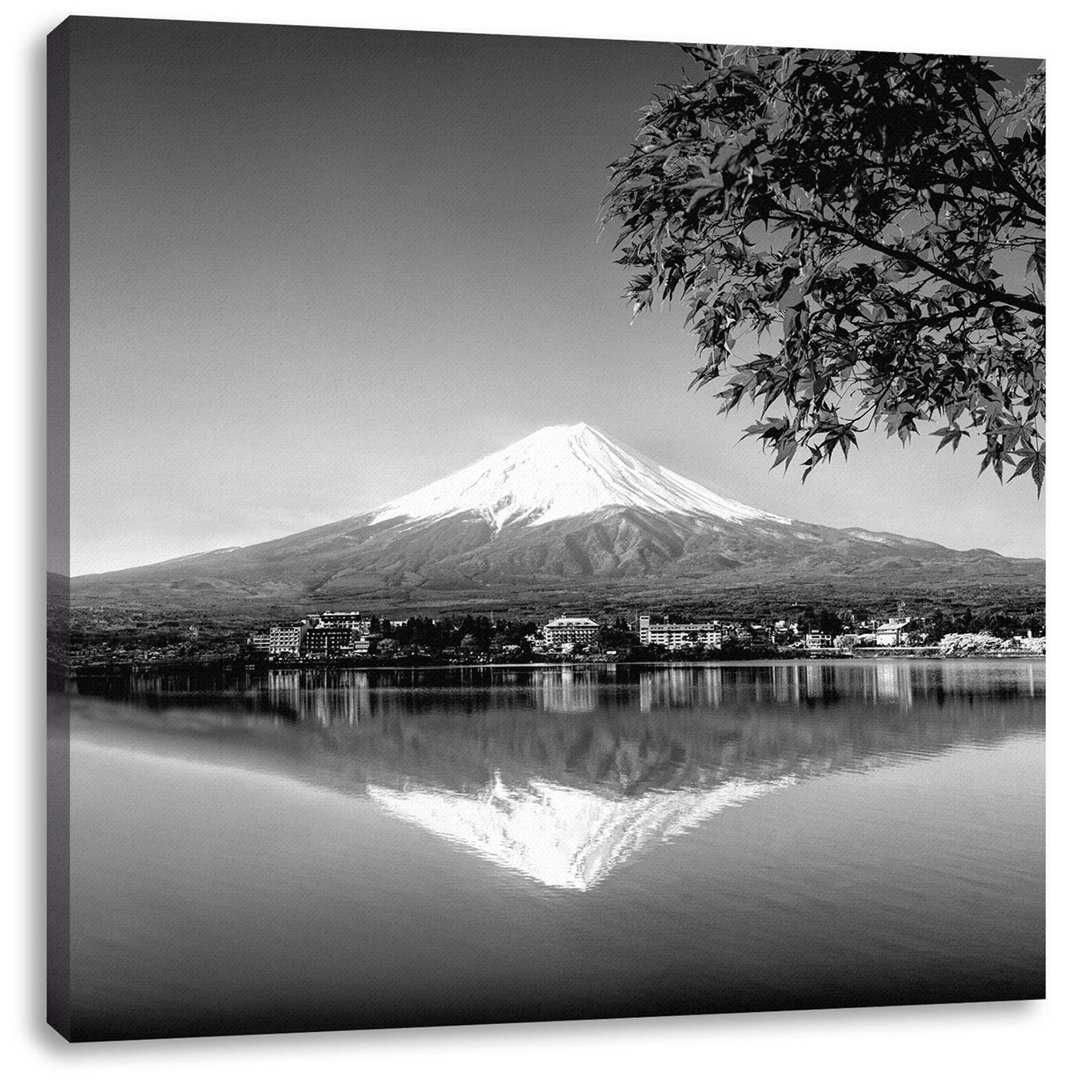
x=313 y=270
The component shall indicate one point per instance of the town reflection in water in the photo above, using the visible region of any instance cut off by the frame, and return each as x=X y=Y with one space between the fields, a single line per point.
x=327 y=698
x=562 y=774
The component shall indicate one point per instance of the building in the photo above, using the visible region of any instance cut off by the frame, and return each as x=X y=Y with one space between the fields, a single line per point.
x=335 y=633
x=286 y=640
x=259 y=641
x=364 y=643
x=330 y=640
x=682 y=635
x=892 y=633
x=565 y=631
x=815 y=639
x=351 y=620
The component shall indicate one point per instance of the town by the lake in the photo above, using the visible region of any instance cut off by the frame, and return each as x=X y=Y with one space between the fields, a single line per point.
x=353 y=637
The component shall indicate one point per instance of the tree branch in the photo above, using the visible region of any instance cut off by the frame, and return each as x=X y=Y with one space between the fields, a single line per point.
x=977 y=287
x=927 y=320
x=1008 y=175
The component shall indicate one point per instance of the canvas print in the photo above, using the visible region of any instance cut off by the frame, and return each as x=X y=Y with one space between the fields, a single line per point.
x=540 y=529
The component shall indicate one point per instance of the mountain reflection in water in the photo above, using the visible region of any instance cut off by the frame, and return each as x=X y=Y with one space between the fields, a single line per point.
x=563 y=774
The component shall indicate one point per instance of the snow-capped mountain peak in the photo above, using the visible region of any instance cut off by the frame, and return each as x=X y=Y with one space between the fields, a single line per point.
x=559 y=472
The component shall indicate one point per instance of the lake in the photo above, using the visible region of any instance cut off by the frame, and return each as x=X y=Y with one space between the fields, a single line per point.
x=300 y=850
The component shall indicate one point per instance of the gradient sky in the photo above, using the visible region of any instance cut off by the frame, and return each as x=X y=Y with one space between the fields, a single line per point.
x=315 y=269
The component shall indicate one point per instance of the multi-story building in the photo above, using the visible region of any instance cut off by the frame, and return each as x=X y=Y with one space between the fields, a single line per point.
x=286 y=640
x=682 y=635
x=815 y=639
x=351 y=620
x=566 y=631
x=363 y=644
x=335 y=633
x=330 y=640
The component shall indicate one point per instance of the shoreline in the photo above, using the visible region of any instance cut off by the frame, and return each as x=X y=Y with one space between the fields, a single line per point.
x=928 y=653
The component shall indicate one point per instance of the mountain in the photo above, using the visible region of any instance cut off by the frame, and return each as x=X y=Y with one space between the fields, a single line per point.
x=566 y=509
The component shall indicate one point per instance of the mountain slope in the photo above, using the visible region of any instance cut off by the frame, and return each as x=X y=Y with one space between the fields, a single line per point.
x=565 y=506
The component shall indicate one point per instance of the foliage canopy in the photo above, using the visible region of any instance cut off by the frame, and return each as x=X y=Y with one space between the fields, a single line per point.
x=859 y=237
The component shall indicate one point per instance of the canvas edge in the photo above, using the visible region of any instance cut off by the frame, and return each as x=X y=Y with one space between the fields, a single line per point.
x=58 y=341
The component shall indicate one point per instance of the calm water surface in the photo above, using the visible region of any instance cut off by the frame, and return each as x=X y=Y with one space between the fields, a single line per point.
x=305 y=850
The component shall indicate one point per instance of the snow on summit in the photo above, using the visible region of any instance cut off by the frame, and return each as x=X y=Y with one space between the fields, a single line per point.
x=561 y=472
